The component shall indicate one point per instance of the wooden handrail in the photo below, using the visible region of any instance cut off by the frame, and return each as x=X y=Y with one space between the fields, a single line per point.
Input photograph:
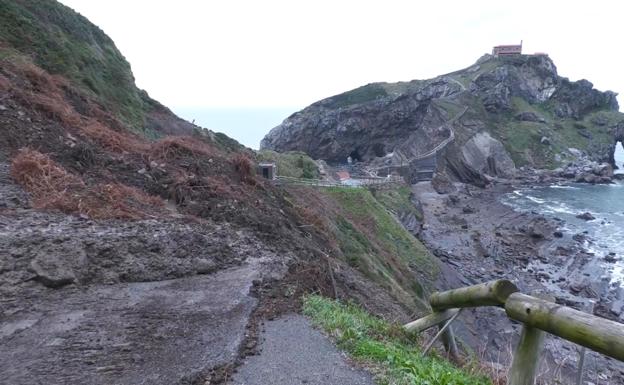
x=537 y=315
x=596 y=333
x=493 y=293
x=430 y=321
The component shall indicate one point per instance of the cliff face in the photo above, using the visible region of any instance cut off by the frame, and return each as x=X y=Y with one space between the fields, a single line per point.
x=504 y=113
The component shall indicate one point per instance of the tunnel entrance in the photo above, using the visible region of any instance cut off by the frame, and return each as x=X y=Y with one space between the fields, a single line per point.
x=379 y=150
x=355 y=156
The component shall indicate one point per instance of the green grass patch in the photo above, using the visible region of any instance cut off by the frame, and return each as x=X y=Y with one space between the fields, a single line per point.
x=372 y=240
x=522 y=139
x=398 y=200
x=393 y=352
x=359 y=95
x=293 y=164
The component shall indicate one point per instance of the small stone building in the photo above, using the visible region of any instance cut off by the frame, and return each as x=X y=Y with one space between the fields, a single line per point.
x=267 y=170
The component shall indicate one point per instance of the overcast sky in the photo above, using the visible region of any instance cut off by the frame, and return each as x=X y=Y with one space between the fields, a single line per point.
x=281 y=55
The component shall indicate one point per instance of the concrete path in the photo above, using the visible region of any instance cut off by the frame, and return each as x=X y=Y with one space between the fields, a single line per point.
x=293 y=352
x=166 y=332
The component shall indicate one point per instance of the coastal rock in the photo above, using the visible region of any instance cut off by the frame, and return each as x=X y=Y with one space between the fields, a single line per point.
x=528 y=116
x=587 y=216
x=488 y=155
x=611 y=257
x=586 y=177
x=603 y=169
x=575 y=99
x=579 y=237
x=205 y=266
x=468 y=210
x=442 y=185
x=538 y=228
x=584 y=288
x=411 y=223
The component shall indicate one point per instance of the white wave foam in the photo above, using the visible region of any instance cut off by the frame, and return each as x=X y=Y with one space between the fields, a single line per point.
x=534 y=199
x=564 y=187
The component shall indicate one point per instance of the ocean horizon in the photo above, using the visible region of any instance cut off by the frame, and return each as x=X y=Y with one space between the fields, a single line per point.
x=247 y=125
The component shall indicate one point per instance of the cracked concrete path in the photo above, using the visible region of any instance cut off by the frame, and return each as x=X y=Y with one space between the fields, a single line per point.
x=293 y=352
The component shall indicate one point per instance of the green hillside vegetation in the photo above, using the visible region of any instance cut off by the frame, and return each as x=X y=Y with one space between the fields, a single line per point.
x=64 y=42
x=372 y=240
x=390 y=351
x=522 y=139
x=359 y=95
x=294 y=164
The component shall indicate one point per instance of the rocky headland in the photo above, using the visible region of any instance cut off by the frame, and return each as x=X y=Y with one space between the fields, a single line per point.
x=505 y=114
x=502 y=124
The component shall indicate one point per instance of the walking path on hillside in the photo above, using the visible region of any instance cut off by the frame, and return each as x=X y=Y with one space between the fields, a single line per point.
x=293 y=352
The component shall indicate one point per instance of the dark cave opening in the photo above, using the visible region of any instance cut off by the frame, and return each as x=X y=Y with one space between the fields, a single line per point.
x=355 y=156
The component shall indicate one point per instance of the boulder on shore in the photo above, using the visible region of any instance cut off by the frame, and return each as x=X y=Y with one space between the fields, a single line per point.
x=587 y=216
x=442 y=184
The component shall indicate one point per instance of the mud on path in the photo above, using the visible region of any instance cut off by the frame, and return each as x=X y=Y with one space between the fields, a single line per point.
x=129 y=333
x=122 y=302
x=177 y=300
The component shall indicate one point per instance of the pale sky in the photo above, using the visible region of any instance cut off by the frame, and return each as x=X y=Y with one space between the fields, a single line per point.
x=287 y=54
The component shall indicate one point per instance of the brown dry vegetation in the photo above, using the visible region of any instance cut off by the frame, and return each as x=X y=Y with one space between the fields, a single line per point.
x=48 y=94
x=177 y=147
x=52 y=187
x=89 y=144
x=244 y=168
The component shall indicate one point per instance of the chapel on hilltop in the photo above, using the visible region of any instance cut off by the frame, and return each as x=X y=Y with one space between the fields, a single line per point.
x=505 y=50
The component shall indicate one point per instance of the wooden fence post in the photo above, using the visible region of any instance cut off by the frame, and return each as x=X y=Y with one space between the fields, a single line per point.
x=448 y=340
x=526 y=357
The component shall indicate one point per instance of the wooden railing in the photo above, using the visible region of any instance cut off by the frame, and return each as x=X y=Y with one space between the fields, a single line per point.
x=538 y=315
x=354 y=182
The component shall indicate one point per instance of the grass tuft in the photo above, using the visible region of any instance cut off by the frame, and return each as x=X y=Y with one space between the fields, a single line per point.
x=385 y=347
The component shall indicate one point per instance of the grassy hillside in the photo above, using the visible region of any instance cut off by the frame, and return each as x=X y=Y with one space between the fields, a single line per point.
x=369 y=237
x=63 y=42
x=394 y=354
x=522 y=139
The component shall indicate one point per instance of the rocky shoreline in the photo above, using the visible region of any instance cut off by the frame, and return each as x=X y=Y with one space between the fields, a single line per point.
x=480 y=238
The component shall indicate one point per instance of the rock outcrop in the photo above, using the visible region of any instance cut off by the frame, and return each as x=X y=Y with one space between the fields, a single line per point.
x=488 y=155
x=503 y=113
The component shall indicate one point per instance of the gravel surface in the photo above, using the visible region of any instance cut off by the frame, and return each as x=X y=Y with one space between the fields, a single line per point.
x=293 y=352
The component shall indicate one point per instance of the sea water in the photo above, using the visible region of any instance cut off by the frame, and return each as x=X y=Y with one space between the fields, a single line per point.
x=604 y=202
